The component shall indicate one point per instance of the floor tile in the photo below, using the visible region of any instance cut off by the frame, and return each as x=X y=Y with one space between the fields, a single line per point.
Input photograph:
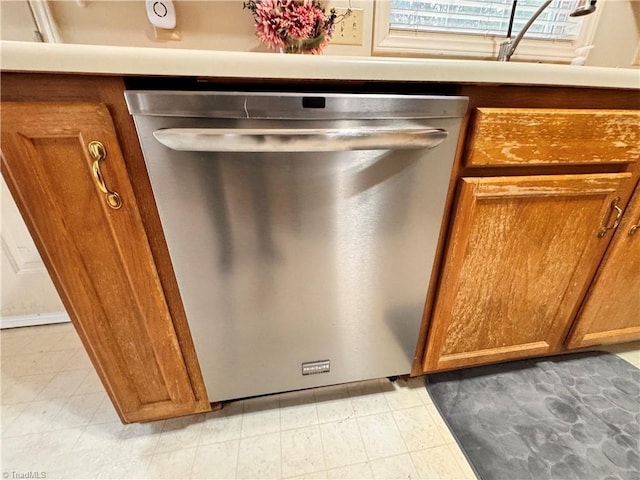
x=352 y=472
x=222 y=425
x=260 y=422
x=342 y=443
x=297 y=409
x=403 y=395
x=63 y=384
x=24 y=389
x=391 y=468
x=333 y=403
x=321 y=475
x=90 y=384
x=175 y=464
x=105 y=436
x=439 y=422
x=418 y=429
x=301 y=451
x=124 y=465
x=37 y=417
x=368 y=398
x=437 y=463
x=68 y=341
x=78 y=410
x=56 y=417
x=30 y=452
x=259 y=457
x=14 y=346
x=8 y=413
x=381 y=436
x=79 y=359
x=106 y=412
x=61 y=361
x=83 y=464
x=467 y=471
x=179 y=433
x=335 y=410
x=43 y=343
x=261 y=415
x=218 y=460
x=140 y=438
x=364 y=405
x=25 y=365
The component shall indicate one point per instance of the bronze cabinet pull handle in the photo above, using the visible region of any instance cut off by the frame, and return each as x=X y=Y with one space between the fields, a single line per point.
x=98 y=153
x=633 y=228
x=616 y=222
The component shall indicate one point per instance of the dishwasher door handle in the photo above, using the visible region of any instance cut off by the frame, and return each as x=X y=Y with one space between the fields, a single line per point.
x=299 y=140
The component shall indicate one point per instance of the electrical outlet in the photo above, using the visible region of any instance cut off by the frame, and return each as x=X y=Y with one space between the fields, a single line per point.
x=349 y=29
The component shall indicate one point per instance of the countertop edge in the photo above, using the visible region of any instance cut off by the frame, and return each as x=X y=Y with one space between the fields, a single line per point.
x=94 y=59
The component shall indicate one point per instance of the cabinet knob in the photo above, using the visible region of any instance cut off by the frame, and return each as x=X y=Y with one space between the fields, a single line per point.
x=613 y=208
x=99 y=153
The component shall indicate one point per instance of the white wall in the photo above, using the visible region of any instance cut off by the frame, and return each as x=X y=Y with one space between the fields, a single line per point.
x=26 y=288
x=224 y=25
x=16 y=22
x=208 y=25
x=617 y=38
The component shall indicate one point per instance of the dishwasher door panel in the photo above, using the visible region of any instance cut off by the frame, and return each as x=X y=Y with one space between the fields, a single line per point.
x=287 y=258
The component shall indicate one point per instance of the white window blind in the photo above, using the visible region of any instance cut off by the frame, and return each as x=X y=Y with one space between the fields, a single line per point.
x=488 y=18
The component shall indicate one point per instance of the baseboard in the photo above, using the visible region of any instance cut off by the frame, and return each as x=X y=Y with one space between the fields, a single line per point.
x=33 y=319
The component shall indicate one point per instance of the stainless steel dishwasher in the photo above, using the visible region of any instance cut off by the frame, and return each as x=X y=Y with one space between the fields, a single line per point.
x=302 y=228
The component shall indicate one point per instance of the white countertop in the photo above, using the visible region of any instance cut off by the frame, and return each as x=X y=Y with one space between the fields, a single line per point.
x=71 y=58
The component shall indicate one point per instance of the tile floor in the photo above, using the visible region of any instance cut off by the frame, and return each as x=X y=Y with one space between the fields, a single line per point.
x=57 y=419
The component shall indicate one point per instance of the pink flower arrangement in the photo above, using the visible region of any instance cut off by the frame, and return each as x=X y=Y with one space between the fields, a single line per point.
x=292 y=26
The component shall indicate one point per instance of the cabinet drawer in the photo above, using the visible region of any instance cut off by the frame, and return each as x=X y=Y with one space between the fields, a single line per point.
x=536 y=136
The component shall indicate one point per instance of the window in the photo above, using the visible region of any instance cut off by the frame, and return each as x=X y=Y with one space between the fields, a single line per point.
x=475 y=28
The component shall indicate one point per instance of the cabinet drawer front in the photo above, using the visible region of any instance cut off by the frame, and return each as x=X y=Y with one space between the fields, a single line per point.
x=521 y=136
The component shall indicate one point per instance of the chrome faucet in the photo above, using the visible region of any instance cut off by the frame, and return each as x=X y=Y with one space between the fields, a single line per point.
x=584 y=7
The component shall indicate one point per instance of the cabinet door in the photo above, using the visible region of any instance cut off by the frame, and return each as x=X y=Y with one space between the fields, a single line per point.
x=611 y=311
x=520 y=255
x=98 y=256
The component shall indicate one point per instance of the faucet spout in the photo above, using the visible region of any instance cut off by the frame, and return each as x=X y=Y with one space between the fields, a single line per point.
x=584 y=7
x=509 y=46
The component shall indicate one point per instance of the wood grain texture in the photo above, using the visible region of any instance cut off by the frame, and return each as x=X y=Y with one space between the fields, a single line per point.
x=521 y=252
x=509 y=96
x=528 y=96
x=99 y=258
x=611 y=311
x=21 y=87
x=417 y=366
x=520 y=136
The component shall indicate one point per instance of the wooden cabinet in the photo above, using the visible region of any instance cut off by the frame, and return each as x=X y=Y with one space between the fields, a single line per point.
x=98 y=253
x=611 y=311
x=525 y=242
x=543 y=136
x=521 y=251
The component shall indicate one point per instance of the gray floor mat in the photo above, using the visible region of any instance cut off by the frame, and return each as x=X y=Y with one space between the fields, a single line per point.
x=573 y=416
